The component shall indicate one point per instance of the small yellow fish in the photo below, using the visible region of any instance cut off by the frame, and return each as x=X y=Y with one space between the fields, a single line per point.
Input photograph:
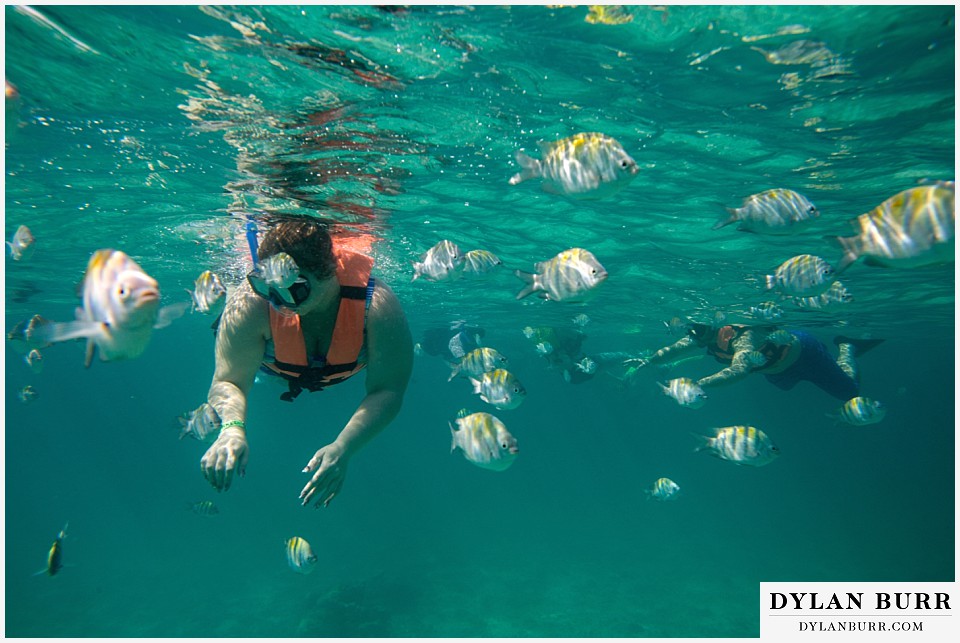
x=21 y=244
x=208 y=292
x=608 y=15
x=480 y=261
x=802 y=276
x=279 y=270
x=442 y=262
x=778 y=211
x=860 y=411
x=500 y=388
x=484 y=440
x=570 y=276
x=300 y=556
x=740 y=445
x=663 y=489
x=55 y=555
x=588 y=165
x=912 y=228
x=685 y=391
x=477 y=362
x=202 y=424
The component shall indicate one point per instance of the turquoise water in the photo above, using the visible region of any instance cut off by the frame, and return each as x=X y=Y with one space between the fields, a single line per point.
x=159 y=130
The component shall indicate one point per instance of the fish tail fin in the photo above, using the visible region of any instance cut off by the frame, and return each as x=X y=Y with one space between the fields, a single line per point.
x=851 y=251
x=88 y=355
x=770 y=282
x=530 y=280
x=167 y=314
x=10 y=245
x=476 y=385
x=417 y=270
x=530 y=168
x=703 y=442
x=47 y=332
x=723 y=222
x=453 y=437
x=454 y=371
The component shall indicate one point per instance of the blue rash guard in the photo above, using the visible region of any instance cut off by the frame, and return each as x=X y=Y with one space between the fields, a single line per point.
x=817 y=366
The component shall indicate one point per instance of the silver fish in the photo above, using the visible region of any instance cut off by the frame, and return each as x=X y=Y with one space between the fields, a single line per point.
x=685 y=391
x=279 y=270
x=777 y=211
x=300 y=556
x=587 y=165
x=572 y=275
x=663 y=489
x=27 y=394
x=500 y=388
x=204 y=508
x=754 y=359
x=860 y=411
x=767 y=310
x=480 y=261
x=35 y=361
x=587 y=365
x=203 y=423
x=544 y=348
x=22 y=337
x=802 y=276
x=442 y=262
x=477 y=362
x=121 y=307
x=912 y=228
x=484 y=440
x=741 y=445
x=55 y=555
x=21 y=244
x=781 y=337
x=835 y=296
x=208 y=293
x=581 y=320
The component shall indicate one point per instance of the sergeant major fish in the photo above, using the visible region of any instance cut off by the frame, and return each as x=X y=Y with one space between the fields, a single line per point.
x=121 y=307
x=685 y=391
x=663 y=489
x=300 y=555
x=279 y=270
x=572 y=275
x=912 y=228
x=21 y=244
x=741 y=445
x=484 y=440
x=55 y=555
x=778 y=211
x=587 y=165
x=478 y=361
x=200 y=424
x=204 y=508
x=35 y=361
x=27 y=394
x=208 y=292
x=860 y=411
x=500 y=388
x=802 y=276
x=442 y=262
x=480 y=262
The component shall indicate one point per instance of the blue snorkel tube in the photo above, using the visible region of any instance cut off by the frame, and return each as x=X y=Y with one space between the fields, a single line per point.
x=252 y=242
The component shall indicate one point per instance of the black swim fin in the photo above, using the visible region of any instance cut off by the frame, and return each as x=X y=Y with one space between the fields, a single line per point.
x=862 y=346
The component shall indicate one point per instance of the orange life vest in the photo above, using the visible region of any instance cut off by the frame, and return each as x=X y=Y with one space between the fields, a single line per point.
x=290 y=359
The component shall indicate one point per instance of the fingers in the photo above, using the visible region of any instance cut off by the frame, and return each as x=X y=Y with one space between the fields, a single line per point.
x=219 y=464
x=324 y=485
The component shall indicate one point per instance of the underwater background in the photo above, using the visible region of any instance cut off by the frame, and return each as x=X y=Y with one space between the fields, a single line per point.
x=162 y=130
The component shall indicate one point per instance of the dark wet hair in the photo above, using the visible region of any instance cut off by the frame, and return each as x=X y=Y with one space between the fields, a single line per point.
x=700 y=332
x=304 y=239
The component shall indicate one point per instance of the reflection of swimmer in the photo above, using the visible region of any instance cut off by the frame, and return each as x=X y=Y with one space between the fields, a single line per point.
x=452 y=342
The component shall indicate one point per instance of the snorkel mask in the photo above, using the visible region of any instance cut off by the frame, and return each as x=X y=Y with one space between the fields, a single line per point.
x=278 y=280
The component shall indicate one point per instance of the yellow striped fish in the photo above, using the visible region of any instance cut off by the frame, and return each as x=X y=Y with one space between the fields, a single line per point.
x=911 y=228
x=740 y=445
x=778 y=211
x=685 y=391
x=480 y=261
x=588 y=165
x=484 y=440
x=663 y=489
x=802 y=276
x=204 y=508
x=860 y=411
x=477 y=362
x=499 y=388
x=570 y=276
x=55 y=555
x=300 y=556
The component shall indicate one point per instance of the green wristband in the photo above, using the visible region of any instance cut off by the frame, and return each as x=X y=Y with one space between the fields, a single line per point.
x=227 y=425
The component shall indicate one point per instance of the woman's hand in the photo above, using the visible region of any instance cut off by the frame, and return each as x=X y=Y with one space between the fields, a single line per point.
x=330 y=468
